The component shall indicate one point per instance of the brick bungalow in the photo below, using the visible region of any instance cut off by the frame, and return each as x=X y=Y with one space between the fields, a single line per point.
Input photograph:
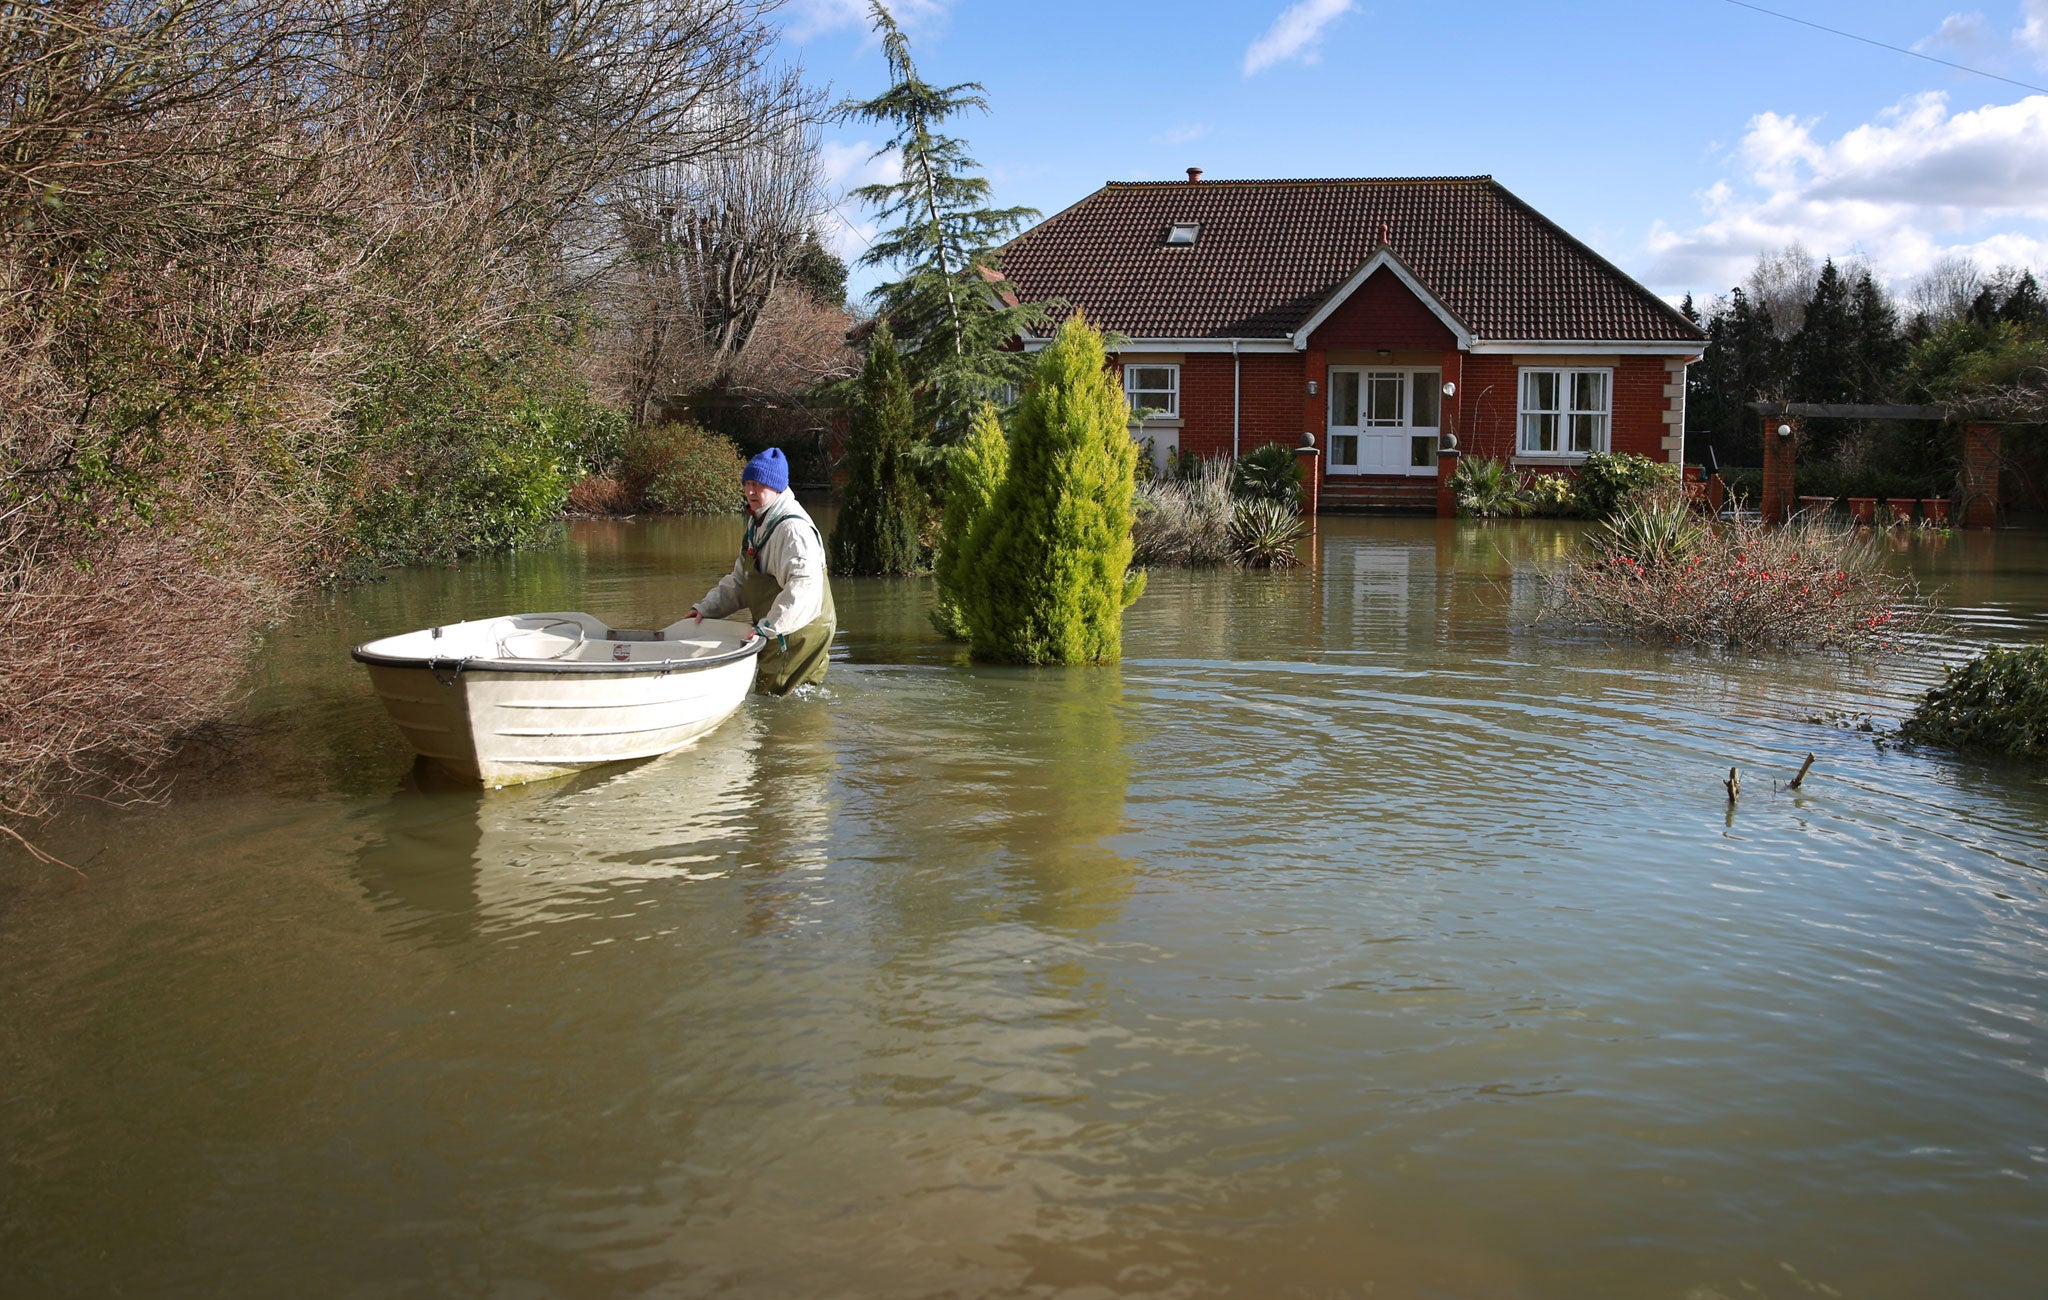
x=1376 y=315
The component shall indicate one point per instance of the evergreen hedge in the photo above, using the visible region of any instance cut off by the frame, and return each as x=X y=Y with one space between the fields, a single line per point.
x=680 y=469
x=1997 y=702
x=1048 y=577
x=977 y=467
x=877 y=532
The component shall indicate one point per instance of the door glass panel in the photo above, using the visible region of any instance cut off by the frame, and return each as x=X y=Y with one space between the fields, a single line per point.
x=1344 y=449
x=1344 y=398
x=1425 y=400
x=1383 y=400
x=1422 y=450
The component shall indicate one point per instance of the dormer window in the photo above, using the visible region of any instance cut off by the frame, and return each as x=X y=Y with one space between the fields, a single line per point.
x=1183 y=232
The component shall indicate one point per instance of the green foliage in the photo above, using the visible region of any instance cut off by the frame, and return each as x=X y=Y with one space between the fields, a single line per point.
x=456 y=481
x=877 y=532
x=1609 y=483
x=1997 y=703
x=1993 y=368
x=680 y=469
x=1551 y=495
x=1048 y=577
x=941 y=233
x=1487 y=487
x=979 y=465
x=1268 y=473
x=1263 y=533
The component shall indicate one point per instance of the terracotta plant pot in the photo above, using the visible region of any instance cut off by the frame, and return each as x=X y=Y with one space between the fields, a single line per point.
x=1863 y=509
x=1934 y=511
x=1902 y=508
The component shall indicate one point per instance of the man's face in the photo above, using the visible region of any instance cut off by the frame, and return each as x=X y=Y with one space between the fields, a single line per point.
x=759 y=496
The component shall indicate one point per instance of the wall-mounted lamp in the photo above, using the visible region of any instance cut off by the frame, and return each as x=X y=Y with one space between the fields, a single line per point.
x=1784 y=431
x=1311 y=388
x=1385 y=353
x=1450 y=390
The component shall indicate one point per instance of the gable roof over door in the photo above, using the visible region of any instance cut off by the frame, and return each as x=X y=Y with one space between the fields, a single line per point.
x=1271 y=254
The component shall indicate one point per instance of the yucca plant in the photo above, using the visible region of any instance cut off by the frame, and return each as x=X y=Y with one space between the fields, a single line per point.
x=1263 y=534
x=1487 y=487
x=1650 y=529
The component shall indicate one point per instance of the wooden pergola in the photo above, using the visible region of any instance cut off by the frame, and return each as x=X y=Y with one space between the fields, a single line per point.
x=1978 y=490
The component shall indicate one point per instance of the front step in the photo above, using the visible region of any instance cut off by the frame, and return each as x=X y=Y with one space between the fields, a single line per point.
x=1387 y=495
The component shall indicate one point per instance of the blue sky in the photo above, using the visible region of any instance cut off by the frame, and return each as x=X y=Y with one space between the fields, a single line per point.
x=1680 y=138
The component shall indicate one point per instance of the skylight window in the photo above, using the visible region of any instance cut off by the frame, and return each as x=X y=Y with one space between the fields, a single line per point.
x=1183 y=232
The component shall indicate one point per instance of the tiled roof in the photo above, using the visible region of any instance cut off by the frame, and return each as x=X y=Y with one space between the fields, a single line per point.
x=1270 y=252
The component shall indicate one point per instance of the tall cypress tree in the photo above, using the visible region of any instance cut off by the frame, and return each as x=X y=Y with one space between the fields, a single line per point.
x=979 y=464
x=1880 y=348
x=943 y=236
x=878 y=517
x=1048 y=571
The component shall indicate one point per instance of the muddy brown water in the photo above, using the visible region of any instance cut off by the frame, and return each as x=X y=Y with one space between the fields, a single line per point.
x=1351 y=938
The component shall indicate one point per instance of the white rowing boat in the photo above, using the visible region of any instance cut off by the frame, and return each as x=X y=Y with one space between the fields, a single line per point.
x=531 y=696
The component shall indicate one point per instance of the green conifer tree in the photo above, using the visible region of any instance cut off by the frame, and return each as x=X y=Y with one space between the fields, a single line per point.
x=1048 y=567
x=978 y=466
x=877 y=531
x=942 y=235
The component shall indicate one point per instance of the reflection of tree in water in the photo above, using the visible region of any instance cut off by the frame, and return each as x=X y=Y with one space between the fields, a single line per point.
x=1068 y=800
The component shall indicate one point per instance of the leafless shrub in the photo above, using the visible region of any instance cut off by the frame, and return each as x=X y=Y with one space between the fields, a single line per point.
x=1185 y=521
x=1807 y=585
x=116 y=651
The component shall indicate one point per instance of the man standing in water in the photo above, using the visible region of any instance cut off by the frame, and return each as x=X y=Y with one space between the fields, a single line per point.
x=779 y=579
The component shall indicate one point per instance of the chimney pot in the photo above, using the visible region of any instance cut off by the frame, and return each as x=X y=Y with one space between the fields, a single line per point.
x=1194 y=175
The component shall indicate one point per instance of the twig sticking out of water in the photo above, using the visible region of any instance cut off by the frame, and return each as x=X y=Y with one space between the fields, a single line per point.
x=1803 y=767
x=1734 y=784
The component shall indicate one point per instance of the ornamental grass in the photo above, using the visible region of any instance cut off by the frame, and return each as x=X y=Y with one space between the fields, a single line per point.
x=1659 y=573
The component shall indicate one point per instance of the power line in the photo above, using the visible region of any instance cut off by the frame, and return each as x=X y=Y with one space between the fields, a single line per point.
x=1896 y=49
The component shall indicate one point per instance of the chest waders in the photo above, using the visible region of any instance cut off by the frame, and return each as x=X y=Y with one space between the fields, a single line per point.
x=795 y=658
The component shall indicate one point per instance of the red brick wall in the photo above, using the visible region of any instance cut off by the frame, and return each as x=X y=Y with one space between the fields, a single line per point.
x=1270 y=401
x=1383 y=313
x=1639 y=405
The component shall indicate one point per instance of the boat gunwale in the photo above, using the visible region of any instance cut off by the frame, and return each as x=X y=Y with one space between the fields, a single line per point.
x=363 y=654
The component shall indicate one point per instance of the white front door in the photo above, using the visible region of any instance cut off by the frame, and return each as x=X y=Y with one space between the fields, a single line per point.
x=1382 y=421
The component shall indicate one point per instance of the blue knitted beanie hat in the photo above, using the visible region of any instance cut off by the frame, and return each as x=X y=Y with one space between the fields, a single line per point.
x=770 y=469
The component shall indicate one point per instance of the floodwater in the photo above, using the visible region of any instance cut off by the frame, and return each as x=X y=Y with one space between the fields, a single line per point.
x=1352 y=938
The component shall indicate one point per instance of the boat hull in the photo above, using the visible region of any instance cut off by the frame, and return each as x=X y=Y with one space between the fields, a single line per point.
x=528 y=697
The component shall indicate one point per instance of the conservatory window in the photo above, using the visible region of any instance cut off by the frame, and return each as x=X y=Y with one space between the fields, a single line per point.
x=1565 y=412
x=1155 y=388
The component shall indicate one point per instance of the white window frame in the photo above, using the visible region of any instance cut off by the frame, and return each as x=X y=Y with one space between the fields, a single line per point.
x=1171 y=410
x=1565 y=413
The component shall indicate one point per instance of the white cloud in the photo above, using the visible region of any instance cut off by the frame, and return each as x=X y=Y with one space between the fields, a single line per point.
x=1967 y=33
x=2033 y=33
x=1918 y=184
x=1186 y=133
x=1294 y=34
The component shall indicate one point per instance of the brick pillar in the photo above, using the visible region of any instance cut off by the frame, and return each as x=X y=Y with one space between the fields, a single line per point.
x=1980 y=475
x=1446 y=469
x=1780 y=451
x=1315 y=411
x=1310 y=458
